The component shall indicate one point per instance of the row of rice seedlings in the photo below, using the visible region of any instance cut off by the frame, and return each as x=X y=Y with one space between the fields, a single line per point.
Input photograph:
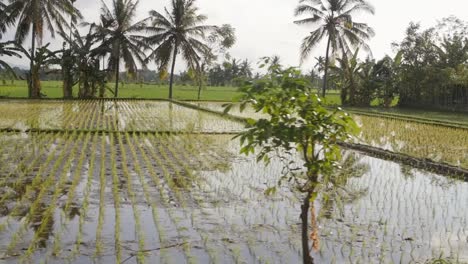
x=84 y=207
x=91 y=115
x=146 y=191
x=176 y=147
x=176 y=162
x=43 y=186
x=162 y=196
x=116 y=196
x=179 y=153
x=75 y=180
x=131 y=193
x=173 y=187
x=75 y=114
x=421 y=140
x=102 y=194
x=172 y=144
x=31 y=188
x=27 y=163
x=77 y=177
x=19 y=113
x=48 y=215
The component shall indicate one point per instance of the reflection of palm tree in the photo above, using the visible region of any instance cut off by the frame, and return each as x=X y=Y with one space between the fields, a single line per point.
x=336 y=191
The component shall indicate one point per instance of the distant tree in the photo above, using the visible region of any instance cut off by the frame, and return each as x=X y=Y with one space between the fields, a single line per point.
x=219 y=41
x=36 y=16
x=180 y=31
x=245 y=69
x=387 y=79
x=123 y=36
x=334 y=20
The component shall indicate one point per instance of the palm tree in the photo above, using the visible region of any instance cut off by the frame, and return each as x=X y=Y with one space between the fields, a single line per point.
x=180 y=31
x=8 y=49
x=3 y=18
x=123 y=36
x=36 y=16
x=333 y=19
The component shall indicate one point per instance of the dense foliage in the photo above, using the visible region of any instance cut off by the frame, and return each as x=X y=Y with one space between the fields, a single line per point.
x=430 y=69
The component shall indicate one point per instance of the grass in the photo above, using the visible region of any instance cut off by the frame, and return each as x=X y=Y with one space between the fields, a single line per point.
x=53 y=89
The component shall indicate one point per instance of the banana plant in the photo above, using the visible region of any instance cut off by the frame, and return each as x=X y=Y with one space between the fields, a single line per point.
x=42 y=59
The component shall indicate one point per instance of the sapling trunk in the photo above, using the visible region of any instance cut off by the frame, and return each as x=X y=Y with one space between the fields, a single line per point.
x=305 y=207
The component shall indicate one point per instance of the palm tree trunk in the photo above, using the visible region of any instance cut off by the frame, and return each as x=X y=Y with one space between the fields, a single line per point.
x=326 y=68
x=172 y=70
x=33 y=49
x=117 y=73
x=306 y=258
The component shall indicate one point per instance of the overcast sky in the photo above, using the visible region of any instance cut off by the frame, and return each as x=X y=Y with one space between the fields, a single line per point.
x=265 y=27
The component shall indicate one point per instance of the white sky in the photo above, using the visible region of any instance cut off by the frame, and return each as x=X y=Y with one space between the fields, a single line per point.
x=265 y=27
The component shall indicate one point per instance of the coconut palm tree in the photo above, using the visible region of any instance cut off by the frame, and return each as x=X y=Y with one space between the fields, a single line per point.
x=180 y=31
x=8 y=49
x=333 y=19
x=123 y=36
x=37 y=16
x=3 y=18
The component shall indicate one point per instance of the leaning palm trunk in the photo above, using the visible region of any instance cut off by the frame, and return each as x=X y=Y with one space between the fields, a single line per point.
x=306 y=258
x=67 y=75
x=117 y=74
x=325 y=75
x=31 y=66
x=171 y=82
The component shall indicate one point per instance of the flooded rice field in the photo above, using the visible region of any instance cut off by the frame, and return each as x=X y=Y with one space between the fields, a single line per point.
x=439 y=143
x=105 y=115
x=131 y=197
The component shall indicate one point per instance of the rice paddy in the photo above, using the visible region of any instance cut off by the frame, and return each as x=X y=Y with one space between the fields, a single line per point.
x=155 y=182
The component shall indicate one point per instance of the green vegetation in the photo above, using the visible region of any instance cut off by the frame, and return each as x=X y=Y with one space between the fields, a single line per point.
x=147 y=179
x=296 y=122
x=130 y=192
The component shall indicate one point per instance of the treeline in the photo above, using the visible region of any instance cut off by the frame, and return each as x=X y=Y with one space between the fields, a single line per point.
x=93 y=54
x=430 y=70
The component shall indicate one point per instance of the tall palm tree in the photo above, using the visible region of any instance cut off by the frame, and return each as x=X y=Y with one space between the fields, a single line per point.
x=123 y=36
x=37 y=16
x=333 y=19
x=180 y=31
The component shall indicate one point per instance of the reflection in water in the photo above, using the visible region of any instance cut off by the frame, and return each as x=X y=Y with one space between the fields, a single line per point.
x=110 y=115
x=197 y=191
